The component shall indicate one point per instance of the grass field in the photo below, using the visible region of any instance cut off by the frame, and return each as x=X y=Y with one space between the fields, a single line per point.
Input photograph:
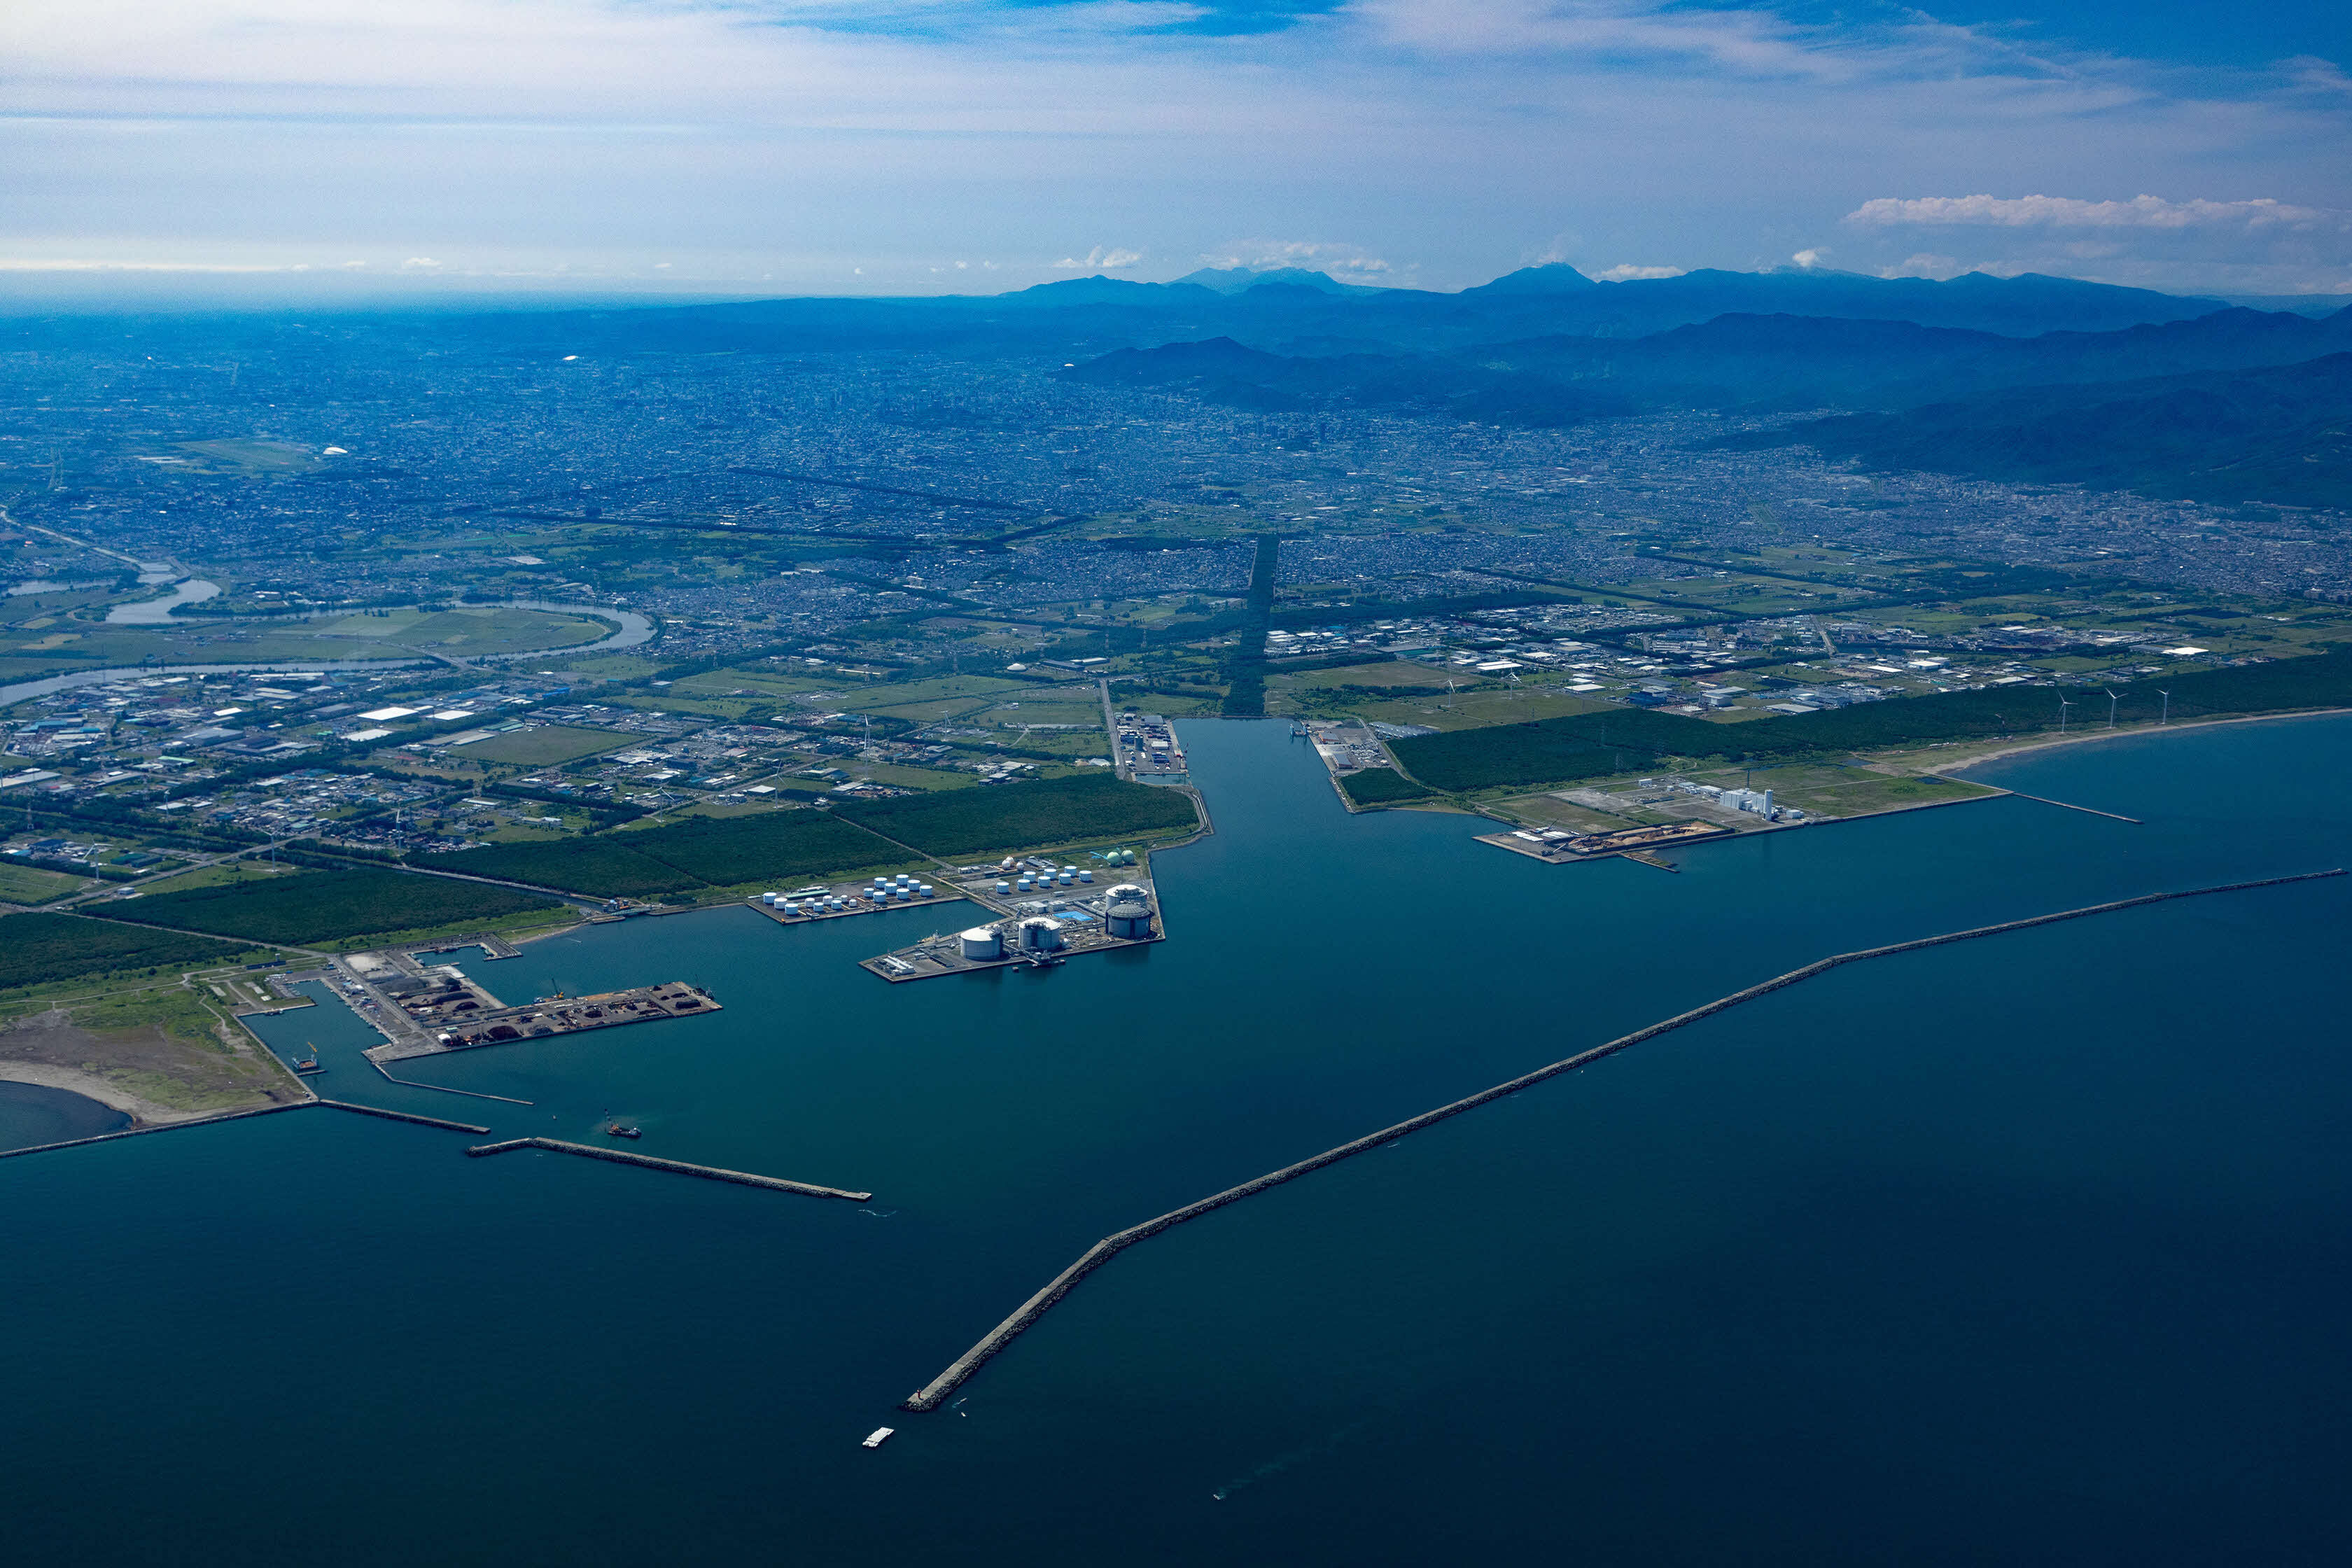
x=325 y=906
x=543 y=744
x=36 y=949
x=31 y=885
x=1476 y=709
x=245 y=870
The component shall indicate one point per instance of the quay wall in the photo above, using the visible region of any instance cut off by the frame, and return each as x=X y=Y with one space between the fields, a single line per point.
x=931 y=1395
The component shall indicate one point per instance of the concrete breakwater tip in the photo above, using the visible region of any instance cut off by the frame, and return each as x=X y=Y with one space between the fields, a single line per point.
x=936 y=1391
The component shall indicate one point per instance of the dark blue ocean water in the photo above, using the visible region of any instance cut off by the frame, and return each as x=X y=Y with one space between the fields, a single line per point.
x=2031 y=1249
x=31 y=1115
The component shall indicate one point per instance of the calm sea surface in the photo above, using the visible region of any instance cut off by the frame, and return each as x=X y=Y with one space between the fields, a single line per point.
x=2032 y=1249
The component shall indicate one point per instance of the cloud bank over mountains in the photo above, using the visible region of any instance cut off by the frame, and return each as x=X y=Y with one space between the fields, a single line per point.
x=815 y=145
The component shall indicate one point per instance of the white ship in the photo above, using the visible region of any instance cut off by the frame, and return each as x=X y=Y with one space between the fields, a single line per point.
x=874 y=1438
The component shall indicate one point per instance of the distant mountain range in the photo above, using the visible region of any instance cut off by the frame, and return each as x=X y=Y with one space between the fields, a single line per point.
x=2009 y=377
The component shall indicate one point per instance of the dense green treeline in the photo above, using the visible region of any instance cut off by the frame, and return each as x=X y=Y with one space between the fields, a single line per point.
x=327 y=905
x=1592 y=745
x=779 y=847
x=34 y=947
x=1382 y=786
x=1015 y=817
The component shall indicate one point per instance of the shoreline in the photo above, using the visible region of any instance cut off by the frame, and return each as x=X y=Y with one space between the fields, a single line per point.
x=143 y=1113
x=2186 y=724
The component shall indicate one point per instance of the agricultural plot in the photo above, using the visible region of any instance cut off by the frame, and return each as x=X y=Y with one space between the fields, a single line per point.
x=35 y=948
x=324 y=906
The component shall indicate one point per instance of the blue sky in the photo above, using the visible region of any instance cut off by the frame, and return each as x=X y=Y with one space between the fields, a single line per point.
x=346 y=148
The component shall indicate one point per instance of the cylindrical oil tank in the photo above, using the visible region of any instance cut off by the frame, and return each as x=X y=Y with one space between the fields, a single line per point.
x=1004 y=886
x=924 y=889
x=770 y=899
x=981 y=943
x=1040 y=933
x=1126 y=912
x=1085 y=876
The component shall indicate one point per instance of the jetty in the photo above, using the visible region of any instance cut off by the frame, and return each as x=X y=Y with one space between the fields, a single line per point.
x=676 y=1167
x=936 y=1391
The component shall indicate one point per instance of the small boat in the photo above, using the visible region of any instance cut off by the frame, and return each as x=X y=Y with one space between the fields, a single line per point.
x=616 y=1131
x=876 y=1439
x=308 y=1064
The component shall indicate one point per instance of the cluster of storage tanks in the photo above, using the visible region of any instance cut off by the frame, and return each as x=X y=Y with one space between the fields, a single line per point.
x=900 y=888
x=1127 y=914
x=1028 y=882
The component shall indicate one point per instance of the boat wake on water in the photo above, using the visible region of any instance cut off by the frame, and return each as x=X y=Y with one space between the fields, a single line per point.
x=1282 y=1462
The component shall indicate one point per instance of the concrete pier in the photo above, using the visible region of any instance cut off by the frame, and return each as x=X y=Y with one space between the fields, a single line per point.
x=932 y=1394
x=677 y=1167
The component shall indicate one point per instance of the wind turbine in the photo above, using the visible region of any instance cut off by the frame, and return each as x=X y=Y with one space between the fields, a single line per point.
x=2168 y=706
x=2111 y=708
x=2062 y=706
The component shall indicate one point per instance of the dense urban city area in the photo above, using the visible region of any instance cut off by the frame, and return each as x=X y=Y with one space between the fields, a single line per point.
x=336 y=635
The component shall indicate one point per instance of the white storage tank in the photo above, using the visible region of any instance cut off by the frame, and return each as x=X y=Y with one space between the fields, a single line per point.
x=770 y=899
x=981 y=943
x=1004 y=886
x=1085 y=876
x=923 y=889
x=789 y=906
x=1126 y=912
x=1040 y=933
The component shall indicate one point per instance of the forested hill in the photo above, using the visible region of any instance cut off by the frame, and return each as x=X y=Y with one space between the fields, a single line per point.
x=2281 y=434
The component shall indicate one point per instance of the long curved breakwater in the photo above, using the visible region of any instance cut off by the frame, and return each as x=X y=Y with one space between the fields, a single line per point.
x=242 y=1115
x=936 y=1391
x=677 y=1167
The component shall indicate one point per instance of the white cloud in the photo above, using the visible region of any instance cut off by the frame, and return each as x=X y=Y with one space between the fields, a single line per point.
x=419 y=264
x=2068 y=212
x=1626 y=272
x=1924 y=264
x=1809 y=260
x=68 y=263
x=1101 y=258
